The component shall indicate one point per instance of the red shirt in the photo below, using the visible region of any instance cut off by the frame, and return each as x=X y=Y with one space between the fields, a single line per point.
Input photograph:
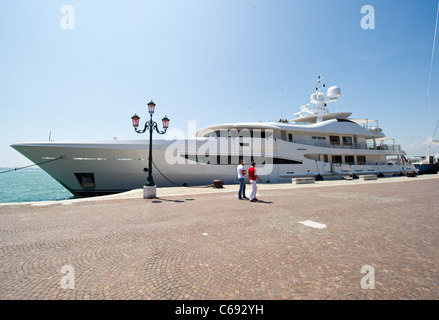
x=252 y=173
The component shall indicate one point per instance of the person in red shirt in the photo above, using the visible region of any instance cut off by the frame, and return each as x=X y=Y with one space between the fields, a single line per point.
x=252 y=176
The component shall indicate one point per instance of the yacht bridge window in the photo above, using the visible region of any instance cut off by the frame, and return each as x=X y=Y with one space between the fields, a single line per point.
x=243 y=133
x=347 y=141
x=334 y=140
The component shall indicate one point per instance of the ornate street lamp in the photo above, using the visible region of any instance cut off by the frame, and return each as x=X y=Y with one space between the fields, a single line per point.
x=149 y=190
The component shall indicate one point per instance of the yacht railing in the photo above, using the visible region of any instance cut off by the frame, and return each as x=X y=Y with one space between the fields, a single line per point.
x=357 y=146
x=325 y=144
x=369 y=166
x=395 y=147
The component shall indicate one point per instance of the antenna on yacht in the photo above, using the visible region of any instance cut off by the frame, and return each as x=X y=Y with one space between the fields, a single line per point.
x=281 y=101
x=319 y=78
x=317 y=107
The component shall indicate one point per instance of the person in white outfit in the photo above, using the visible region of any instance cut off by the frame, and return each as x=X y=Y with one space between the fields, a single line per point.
x=252 y=176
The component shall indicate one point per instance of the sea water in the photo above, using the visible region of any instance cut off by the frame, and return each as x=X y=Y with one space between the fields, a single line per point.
x=30 y=184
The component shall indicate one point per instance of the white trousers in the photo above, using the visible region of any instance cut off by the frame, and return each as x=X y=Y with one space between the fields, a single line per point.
x=254 y=189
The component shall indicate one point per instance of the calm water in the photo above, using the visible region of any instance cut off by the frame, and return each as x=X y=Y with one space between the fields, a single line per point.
x=31 y=184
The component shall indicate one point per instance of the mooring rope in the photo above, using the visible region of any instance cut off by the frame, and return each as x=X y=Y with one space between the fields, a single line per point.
x=165 y=176
x=33 y=165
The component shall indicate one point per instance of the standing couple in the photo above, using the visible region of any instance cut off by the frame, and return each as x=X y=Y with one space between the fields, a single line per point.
x=252 y=176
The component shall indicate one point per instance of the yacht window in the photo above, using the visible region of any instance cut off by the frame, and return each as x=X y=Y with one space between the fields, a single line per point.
x=325 y=158
x=258 y=133
x=361 y=160
x=290 y=137
x=212 y=134
x=336 y=159
x=285 y=161
x=347 y=141
x=235 y=160
x=349 y=159
x=334 y=140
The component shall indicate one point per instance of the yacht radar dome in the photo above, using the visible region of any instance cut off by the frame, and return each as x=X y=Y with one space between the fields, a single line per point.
x=333 y=92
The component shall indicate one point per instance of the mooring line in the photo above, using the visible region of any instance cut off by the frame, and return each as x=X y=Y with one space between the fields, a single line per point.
x=32 y=165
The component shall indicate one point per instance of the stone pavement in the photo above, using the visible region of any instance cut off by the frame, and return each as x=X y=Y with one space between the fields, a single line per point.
x=379 y=240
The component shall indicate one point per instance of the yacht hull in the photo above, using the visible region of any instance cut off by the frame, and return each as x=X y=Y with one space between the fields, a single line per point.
x=107 y=167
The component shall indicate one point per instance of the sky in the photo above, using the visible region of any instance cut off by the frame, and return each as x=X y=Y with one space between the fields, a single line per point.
x=78 y=70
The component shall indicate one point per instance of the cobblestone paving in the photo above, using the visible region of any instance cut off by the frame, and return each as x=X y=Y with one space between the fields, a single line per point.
x=214 y=246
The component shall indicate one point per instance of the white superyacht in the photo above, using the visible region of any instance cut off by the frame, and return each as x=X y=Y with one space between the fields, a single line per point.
x=317 y=143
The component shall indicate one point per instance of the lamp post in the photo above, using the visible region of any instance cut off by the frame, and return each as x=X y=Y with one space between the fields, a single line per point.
x=149 y=190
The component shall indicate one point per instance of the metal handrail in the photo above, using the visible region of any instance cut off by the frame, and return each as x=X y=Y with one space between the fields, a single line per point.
x=356 y=146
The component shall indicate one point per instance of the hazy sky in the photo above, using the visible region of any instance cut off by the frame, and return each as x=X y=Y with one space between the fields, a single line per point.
x=81 y=69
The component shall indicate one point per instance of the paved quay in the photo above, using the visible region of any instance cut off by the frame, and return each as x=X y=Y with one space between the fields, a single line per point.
x=356 y=239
